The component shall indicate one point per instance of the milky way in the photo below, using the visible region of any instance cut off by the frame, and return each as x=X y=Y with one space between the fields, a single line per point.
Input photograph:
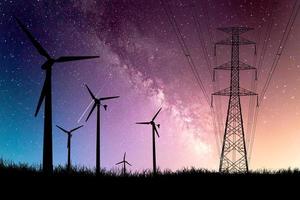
x=141 y=60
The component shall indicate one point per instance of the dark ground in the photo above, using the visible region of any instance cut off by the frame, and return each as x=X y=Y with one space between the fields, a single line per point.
x=190 y=182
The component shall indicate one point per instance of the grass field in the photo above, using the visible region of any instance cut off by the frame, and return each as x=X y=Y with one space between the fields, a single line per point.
x=14 y=170
x=186 y=181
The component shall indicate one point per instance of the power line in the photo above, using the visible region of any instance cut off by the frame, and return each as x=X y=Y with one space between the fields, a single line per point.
x=259 y=67
x=252 y=107
x=251 y=102
x=216 y=85
x=217 y=110
x=281 y=48
x=200 y=36
x=187 y=54
x=279 y=52
x=214 y=112
x=185 y=49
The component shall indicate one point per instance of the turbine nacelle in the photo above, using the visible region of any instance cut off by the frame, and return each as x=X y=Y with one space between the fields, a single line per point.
x=152 y=123
x=69 y=133
x=97 y=101
x=48 y=64
x=124 y=161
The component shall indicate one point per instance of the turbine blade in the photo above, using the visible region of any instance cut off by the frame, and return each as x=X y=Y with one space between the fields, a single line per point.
x=128 y=163
x=119 y=163
x=155 y=130
x=74 y=58
x=156 y=114
x=35 y=43
x=62 y=129
x=142 y=122
x=92 y=95
x=124 y=156
x=76 y=128
x=42 y=96
x=106 y=98
x=93 y=108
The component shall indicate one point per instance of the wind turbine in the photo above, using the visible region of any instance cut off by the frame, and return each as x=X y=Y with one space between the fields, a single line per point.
x=154 y=131
x=124 y=162
x=69 y=143
x=97 y=103
x=46 y=95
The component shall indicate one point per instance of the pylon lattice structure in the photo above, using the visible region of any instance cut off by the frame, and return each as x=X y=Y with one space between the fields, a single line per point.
x=234 y=154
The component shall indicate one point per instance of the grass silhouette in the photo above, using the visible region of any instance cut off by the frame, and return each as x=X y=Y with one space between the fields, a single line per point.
x=11 y=169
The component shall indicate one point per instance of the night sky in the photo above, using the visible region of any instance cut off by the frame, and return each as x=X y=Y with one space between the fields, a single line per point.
x=141 y=60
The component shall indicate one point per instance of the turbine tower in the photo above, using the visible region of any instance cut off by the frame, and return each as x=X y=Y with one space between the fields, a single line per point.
x=154 y=131
x=234 y=153
x=124 y=162
x=69 y=133
x=97 y=103
x=46 y=95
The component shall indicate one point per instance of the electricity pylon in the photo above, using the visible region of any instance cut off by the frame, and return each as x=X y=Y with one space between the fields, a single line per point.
x=234 y=153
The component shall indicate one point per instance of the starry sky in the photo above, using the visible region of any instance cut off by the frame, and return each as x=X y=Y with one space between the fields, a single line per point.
x=141 y=60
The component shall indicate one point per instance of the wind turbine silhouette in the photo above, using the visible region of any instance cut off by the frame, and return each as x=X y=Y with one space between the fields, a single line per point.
x=124 y=162
x=69 y=143
x=47 y=96
x=154 y=131
x=97 y=103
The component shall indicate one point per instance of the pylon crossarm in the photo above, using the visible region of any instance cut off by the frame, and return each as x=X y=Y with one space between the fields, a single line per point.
x=227 y=41
x=229 y=92
x=225 y=66
x=230 y=41
x=236 y=30
x=244 y=41
x=223 y=92
x=242 y=66
x=245 y=92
